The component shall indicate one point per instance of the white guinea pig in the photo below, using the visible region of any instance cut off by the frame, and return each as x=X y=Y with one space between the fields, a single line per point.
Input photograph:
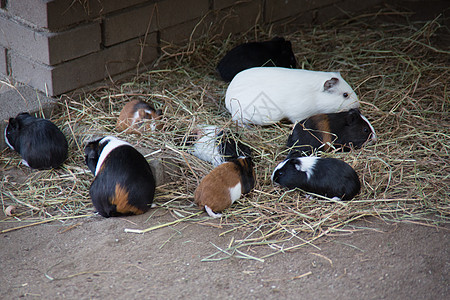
x=214 y=145
x=264 y=96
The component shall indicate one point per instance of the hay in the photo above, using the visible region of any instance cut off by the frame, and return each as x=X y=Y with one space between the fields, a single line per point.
x=400 y=71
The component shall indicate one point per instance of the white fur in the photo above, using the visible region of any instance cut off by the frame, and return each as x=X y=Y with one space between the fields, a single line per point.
x=235 y=192
x=113 y=143
x=280 y=165
x=265 y=95
x=374 y=137
x=306 y=165
x=23 y=161
x=153 y=124
x=136 y=118
x=206 y=147
x=6 y=140
x=211 y=213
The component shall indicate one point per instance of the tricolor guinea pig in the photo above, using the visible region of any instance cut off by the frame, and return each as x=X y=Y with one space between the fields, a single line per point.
x=138 y=116
x=274 y=53
x=224 y=185
x=342 y=130
x=264 y=96
x=329 y=177
x=123 y=183
x=214 y=145
x=40 y=142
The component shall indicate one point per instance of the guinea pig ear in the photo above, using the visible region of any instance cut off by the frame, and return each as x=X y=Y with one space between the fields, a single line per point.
x=352 y=116
x=13 y=123
x=330 y=84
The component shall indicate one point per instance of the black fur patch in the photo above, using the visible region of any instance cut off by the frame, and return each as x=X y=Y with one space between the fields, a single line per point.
x=127 y=168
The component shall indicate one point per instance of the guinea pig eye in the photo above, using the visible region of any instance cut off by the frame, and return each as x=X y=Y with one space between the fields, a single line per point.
x=366 y=130
x=345 y=95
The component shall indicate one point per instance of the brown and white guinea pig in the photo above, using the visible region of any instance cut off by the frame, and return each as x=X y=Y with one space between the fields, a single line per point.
x=40 y=142
x=216 y=146
x=274 y=53
x=138 y=116
x=343 y=130
x=224 y=185
x=264 y=96
x=124 y=183
x=329 y=177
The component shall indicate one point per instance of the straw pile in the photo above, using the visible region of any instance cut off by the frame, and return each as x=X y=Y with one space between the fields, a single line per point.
x=400 y=72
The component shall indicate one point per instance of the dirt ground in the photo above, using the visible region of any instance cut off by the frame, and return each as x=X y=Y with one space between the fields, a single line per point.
x=94 y=258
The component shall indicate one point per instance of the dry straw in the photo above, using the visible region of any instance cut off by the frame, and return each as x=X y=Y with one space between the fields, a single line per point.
x=400 y=71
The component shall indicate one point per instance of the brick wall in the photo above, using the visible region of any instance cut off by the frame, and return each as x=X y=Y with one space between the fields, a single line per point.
x=59 y=45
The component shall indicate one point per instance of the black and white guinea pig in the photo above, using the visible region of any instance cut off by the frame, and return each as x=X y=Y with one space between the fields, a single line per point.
x=274 y=53
x=138 y=116
x=342 y=130
x=329 y=177
x=263 y=96
x=214 y=145
x=224 y=185
x=124 y=183
x=40 y=142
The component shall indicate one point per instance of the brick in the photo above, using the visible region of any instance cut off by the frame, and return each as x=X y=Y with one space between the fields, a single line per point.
x=183 y=31
x=238 y=18
x=73 y=43
x=341 y=8
x=221 y=4
x=16 y=36
x=3 y=62
x=126 y=25
x=46 y=47
x=130 y=24
x=179 y=11
x=84 y=70
x=280 y=9
x=57 y=14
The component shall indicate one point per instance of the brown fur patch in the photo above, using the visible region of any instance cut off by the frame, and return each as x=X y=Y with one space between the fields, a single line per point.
x=323 y=125
x=214 y=191
x=120 y=200
x=126 y=118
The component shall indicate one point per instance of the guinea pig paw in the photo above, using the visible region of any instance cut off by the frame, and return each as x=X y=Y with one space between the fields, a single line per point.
x=153 y=205
x=211 y=213
x=24 y=162
x=335 y=199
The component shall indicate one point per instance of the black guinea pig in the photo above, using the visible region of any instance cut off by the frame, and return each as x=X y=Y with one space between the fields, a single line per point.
x=274 y=53
x=214 y=145
x=123 y=183
x=224 y=185
x=40 y=143
x=329 y=177
x=323 y=132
